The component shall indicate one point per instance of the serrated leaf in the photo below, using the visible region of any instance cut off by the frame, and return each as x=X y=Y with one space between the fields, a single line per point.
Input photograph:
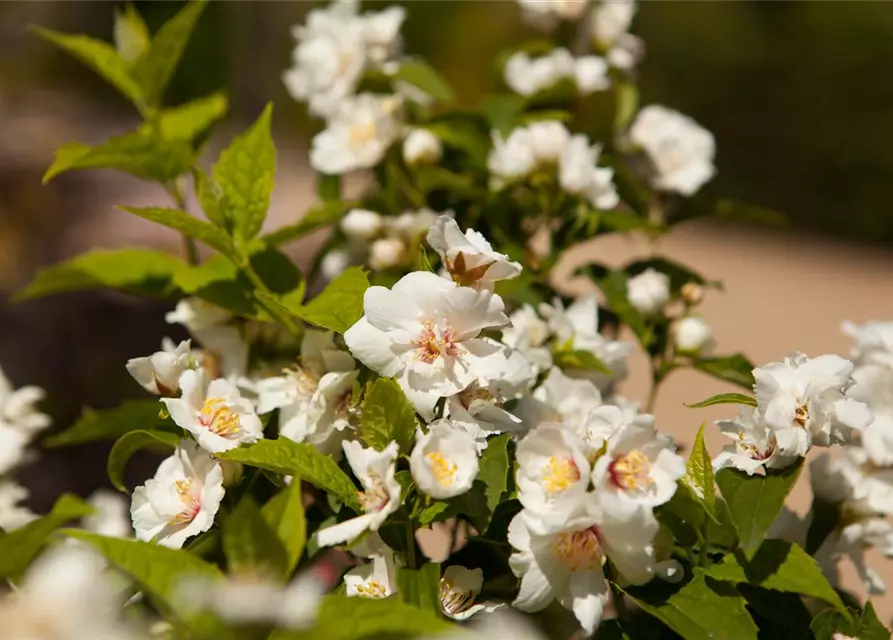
x=420 y=587
x=580 y=359
x=111 y=424
x=100 y=56
x=138 y=270
x=699 y=475
x=781 y=566
x=298 y=459
x=154 y=69
x=337 y=307
x=131 y=33
x=736 y=369
x=188 y=120
x=250 y=544
x=18 y=548
x=387 y=416
x=315 y=218
x=284 y=514
x=188 y=225
x=437 y=511
x=724 y=398
x=755 y=501
x=160 y=572
x=703 y=609
x=862 y=625
x=245 y=173
x=128 y=444
x=423 y=76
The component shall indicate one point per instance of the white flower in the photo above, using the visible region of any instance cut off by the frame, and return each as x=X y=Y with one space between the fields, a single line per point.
x=681 y=151
x=591 y=74
x=387 y=253
x=110 y=515
x=626 y=52
x=361 y=225
x=411 y=226
x=691 y=335
x=382 y=30
x=225 y=349
x=420 y=146
x=611 y=19
x=459 y=587
x=860 y=532
x=423 y=332
x=511 y=159
x=214 y=412
x=160 y=372
x=181 y=500
x=528 y=76
x=376 y=579
x=873 y=385
x=12 y=514
x=357 y=135
x=195 y=314
x=580 y=175
x=754 y=445
x=13 y=444
x=649 y=291
x=872 y=342
x=802 y=401
x=18 y=408
x=548 y=139
x=335 y=262
x=545 y=14
x=444 y=461
x=528 y=333
x=468 y=257
x=380 y=496
x=560 y=399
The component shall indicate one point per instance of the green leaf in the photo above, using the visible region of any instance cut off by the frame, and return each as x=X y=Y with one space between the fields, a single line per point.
x=387 y=416
x=423 y=76
x=755 y=501
x=18 y=548
x=614 y=288
x=328 y=187
x=626 y=100
x=735 y=369
x=131 y=33
x=493 y=471
x=864 y=625
x=159 y=571
x=155 y=68
x=744 y=212
x=315 y=218
x=140 y=153
x=678 y=273
x=437 y=511
x=141 y=271
x=213 y=271
x=111 y=424
x=128 y=444
x=298 y=459
x=250 y=544
x=284 y=514
x=502 y=110
x=704 y=609
x=781 y=566
x=188 y=225
x=338 y=306
x=420 y=587
x=724 y=398
x=246 y=173
x=699 y=475
x=189 y=120
x=209 y=193
x=580 y=359
x=100 y=56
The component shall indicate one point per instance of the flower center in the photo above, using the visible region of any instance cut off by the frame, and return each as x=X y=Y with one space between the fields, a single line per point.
x=360 y=134
x=219 y=418
x=190 y=501
x=473 y=394
x=444 y=471
x=801 y=416
x=305 y=377
x=374 y=498
x=579 y=550
x=560 y=474
x=753 y=451
x=372 y=589
x=630 y=471
x=453 y=600
x=435 y=341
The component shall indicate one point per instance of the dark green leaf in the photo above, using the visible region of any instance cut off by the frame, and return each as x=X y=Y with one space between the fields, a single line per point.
x=420 y=587
x=823 y=521
x=250 y=544
x=735 y=369
x=387 y=416
x=864 y=626
x=188 y=225
x=284 y=514
x=423 y=76
x=111 y=424
x=724 y=398
x=128 y=444
x=315 y=218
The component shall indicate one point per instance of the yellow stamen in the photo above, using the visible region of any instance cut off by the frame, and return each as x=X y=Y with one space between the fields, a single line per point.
x=444 y=471
x=372 y=589
x=631 y=471
x=219 y=418
x=579 y=550
x=560 y=474
x=455 y=601
x=184 y=490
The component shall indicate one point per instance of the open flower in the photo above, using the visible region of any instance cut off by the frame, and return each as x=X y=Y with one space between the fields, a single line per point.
x=423 y=332
x=468 y=257
x=872 y=342
x=12 y=514
x=560 y=399
x=379 y=498
x=214 y=412
x=224 y=348
x=160 y=373
x=181 y=500
x=580 y=175
x=648 y=291
x=444 y=461
x=528 y=333
x=459 y=587
x=376 y=579
x=754 y=445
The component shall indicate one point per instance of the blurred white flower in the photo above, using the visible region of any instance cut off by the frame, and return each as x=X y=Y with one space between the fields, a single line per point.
x=225 y=350
x=691 y=335
x=512 y=158
x=420 y=146
x=872 y=342
x=160 y=373
x=591 y=74
x=12 y=514
x=361 y=225
x=18 y=408
x=611 y=20
x=13 y=445
x=648 y=291
x=387 y=253
x=528 y=76
x=196 y=314
x=468 y=257
x=546 y=14
x=110 y=515
x=376 y=579
x=579 y=173
x=444 y=461
x=528 y=333
x=680 y=150
x=335 y=262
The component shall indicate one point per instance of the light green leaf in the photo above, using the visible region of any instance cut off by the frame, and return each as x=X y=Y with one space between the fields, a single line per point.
x=18 y=548
x=704 y=609
x=423 y=76
x=502 y=110
x=781 y=566
x=387 y=416
x=209 y=194
x=187 y=121
x=337 y=307
x=437 y=511
x=626 y=100
x=111 y=424
x=250 y=544
x=615 y=290
x=298 y=459
x=420 y=587
x=315 y=218
x=284 y=514
x=862 y=625
x=755 y=501
x=245 y=173
x=580 y=359
x=131 y=33
x=100 y=56
x=155 y=68
x=215 y=270
x=188 y=225
x=139 y=153
x=141 y=271
x=699 y=475
x=159 y=571
x=736 y=369
x=724 y=398
x=128 y=444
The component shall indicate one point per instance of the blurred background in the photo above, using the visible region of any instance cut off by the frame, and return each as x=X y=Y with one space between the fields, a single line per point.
x=798 y=95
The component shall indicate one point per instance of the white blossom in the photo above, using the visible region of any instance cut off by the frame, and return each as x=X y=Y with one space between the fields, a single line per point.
x=110 y=515
x=387 y=253
x=753 y=446
x=215 y=412
x=444 y=461
x=648 y=291
x=528 y=333
x=611 y=19
x=13 y=515
x=511 y=159
x=196 y=314
x=580 y=175
x=872 y=342
x=420 y=146
x=560 y=399
x=424 y=332
x=468 y=257
x=691 y=335
x=376 y=579
x=18 y=408
x=591 y=74
x=160 y=372
x=335 y=262
x=380 y=496
x=361 y=225
x=680 y=150
x=13 y=445
x=546 y=14
x=225 y=350
x=528 y=76
x=182 y=499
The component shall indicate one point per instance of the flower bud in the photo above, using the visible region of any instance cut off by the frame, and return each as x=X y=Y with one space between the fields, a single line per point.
x=421 y=147
x=386 y=253
x=648 y=291
x=232 y=472
x=361 y=224
x=691 y=335
x=692 y=293
x=334 y=262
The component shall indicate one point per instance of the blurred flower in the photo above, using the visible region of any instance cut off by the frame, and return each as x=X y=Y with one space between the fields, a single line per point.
x=444 y=461
x=361 y=225
x=579 y=174
x=387 y=253
x=691 y=335
x=546 y=14
x=335 y=262
x=225 y=350
x=110 y=515
x=376 y=579
x=160 y=372
x=18 y=408
x=12 y=514
x=468 y=257
x=528 y=333
x=13 y=445
x=872 y=342
x=648 y=291
x=528 y=76
x=420 y=146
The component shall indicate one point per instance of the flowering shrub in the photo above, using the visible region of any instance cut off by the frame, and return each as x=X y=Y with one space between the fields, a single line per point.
x=437 y=378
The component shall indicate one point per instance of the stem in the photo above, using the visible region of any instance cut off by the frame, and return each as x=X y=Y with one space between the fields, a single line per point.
x=410 y=546
x=702 y=555
x=273 y=311
x=652 y=394
x=188 y=243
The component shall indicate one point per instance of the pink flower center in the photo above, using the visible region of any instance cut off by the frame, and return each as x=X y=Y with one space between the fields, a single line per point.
x=191 y=502
x=436 y=340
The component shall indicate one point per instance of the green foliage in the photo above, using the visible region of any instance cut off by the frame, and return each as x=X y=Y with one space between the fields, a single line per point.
x=699 y=475
x=315 y=218
x=251 y=544
x=338 y=306
x=128 y=444
x=491 y=485
x=863 y=625
x=111 y=424
x=423 y=76
x=724 y=398
x=420 y=587
x=190 y=120
x=189 y=226
x=131 y=33
x=387 y=416
x=735 y=369
x=824 y=520
x=579 y=359
x=284 y=514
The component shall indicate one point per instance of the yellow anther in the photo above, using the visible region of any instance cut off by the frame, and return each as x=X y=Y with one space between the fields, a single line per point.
x=560 y=474
x=454 y=600
x=219 y=418
x=190 y=502
x=579 y=550
x=372 y=589
x=444 y=471
x=632 y=471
